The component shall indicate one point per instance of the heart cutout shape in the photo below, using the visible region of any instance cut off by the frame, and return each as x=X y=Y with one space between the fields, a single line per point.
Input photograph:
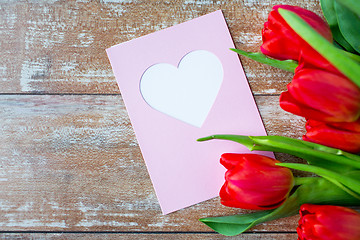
x=186 y=92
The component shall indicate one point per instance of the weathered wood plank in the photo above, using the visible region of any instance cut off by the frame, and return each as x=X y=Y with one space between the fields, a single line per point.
x=115 y=236
x=59 y=46
x=72 y=162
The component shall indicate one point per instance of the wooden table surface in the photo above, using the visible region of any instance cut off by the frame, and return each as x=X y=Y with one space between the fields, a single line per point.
x=70 y=163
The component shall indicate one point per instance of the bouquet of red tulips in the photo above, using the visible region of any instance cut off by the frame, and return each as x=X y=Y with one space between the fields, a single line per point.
x=325 y=59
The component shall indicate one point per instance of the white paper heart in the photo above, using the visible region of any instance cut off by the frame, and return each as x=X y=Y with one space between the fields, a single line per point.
x=186 y=93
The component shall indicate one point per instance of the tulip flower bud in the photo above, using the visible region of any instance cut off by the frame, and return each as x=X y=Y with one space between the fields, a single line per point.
x=308 y=59
x=281 y=42
x=325 y=222
x=254 y=182
x=344 y=136
x=322 y=96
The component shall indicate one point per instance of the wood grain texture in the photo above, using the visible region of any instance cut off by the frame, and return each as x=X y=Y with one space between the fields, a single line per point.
x=73 y=163
x=114 y=236
x=59 y=46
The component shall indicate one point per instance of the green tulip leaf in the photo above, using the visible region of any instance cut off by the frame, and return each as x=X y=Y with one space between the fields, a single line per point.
x=328 y=9
x=349 y=182
x=353 y=5
x=327 y=6
x=349 y=25
x=287 y=65
x=353 y=56
x=339 y=38
x=335 y=56
x=343 y=187
x=234 y=225
x=316 y=154
x=244 y=140
x=313 y=190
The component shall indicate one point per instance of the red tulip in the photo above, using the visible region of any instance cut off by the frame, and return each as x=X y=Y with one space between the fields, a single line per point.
x=344 y=136
x=322 y=96
x=254 y=182
x=281 y=42
x=308 y=59
x=325 y=222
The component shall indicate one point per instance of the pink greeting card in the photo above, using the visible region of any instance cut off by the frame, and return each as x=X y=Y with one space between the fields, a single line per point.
x=180 y=84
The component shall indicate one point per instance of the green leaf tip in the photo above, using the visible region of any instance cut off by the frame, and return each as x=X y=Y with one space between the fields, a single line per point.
x=203 y=139
x=287 y=65
x=244 y=140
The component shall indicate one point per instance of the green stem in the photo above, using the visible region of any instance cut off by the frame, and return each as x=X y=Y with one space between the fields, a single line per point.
x=297 y=148
x=304 y=180
x=347 y=181
x=316 y=191
x=353 y=56
x=315 y=154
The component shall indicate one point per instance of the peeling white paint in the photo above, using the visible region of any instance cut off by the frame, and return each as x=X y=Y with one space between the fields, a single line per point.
x=8 y=20
x=95 y=75
x=44 y=34
x=31 y=70
x=263 y=74
x=68 y=66
x=250 y=39
x=118 y=1
x=97 y=223
x=4 y=207
x=85 y=40
x=254 y=3
x=202 y=2
x=120 y=214
x=3 y=69
x=269 y=91
x=25 y=207
x=43 y=1
x=163 y=221
x=117 y=8
x=31 y=223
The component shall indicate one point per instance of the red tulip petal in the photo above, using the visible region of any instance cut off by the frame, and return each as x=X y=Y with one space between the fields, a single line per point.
x=290 y=104
x=336 y=138
x=280 y=41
